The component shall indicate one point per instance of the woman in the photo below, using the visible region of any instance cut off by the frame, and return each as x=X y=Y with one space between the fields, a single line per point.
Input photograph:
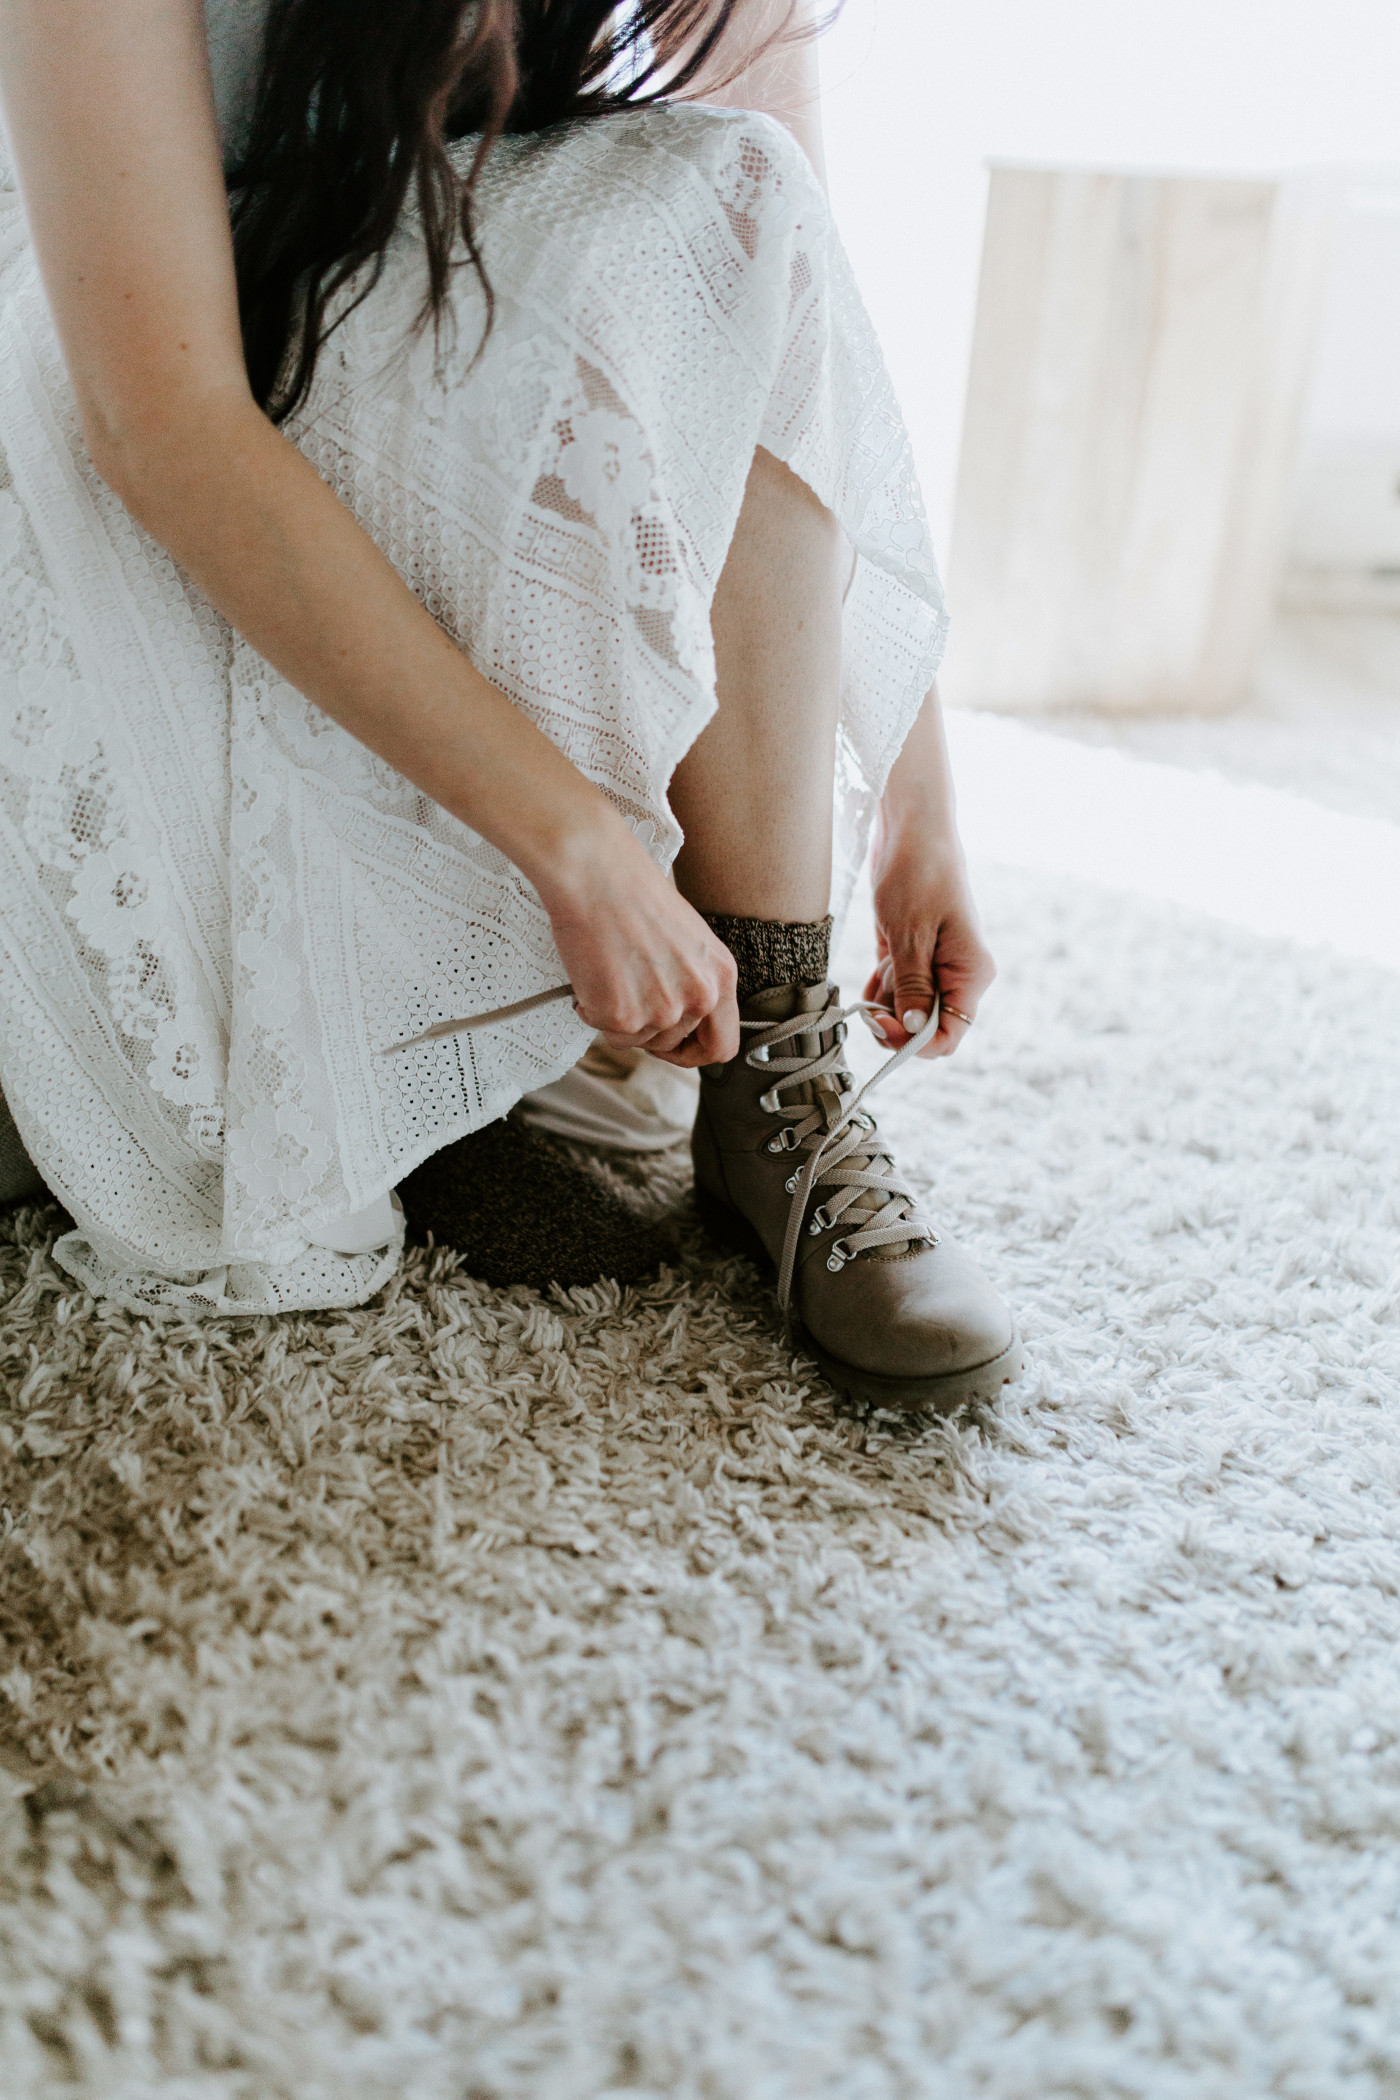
x=372 y=569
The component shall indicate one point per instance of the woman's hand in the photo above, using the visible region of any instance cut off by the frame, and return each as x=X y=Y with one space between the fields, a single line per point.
x=928 y=939
x=646 y=970
x=928 y=936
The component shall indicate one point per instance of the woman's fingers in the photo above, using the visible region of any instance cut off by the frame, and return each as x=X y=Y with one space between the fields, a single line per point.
x=717 y=1038
x=699 y=1026
x=904 y=982
x=713 y=1042
x=912 y=980
x=930 y=940
x=659 y=1041
x=906 y=991
x=879 y=990
x=951 y=1030
x=646 y=969
x=667 y=1040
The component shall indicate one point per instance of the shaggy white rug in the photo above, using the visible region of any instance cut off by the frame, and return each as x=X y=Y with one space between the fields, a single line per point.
x=480 y=1698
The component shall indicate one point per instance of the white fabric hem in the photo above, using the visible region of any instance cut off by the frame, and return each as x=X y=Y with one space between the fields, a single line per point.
x=217 y=905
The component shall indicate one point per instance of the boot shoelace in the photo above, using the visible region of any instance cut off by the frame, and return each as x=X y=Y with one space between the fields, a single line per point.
x=838 y=1136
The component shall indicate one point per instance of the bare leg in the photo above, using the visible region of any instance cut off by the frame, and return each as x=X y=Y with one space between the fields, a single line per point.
x=753 y=794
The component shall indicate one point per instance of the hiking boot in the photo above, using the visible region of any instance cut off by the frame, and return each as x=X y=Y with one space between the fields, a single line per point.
x=789 y=1168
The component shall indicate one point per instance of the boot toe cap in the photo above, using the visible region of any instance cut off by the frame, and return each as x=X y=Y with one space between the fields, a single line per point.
x=930 y=1314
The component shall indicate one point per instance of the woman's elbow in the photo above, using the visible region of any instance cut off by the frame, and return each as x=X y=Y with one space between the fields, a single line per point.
x=121 y=445
x=112 y=458
x=147 y=457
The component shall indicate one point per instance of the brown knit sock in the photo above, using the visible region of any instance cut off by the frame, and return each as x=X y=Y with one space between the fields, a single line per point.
x=774 y=951
x=517 y=1211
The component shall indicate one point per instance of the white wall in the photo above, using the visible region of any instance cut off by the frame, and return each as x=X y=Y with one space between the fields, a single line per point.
x=920 y=94
x=1356 y=380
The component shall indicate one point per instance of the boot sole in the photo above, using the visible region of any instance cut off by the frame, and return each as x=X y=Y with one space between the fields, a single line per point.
x=950 y=1390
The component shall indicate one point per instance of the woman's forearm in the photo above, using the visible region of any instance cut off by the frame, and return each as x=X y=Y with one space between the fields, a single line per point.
x=291 y=569
x=288 y=565
x=918 y=801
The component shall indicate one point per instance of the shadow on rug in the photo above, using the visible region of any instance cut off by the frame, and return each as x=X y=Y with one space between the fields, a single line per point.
x=477 y=1696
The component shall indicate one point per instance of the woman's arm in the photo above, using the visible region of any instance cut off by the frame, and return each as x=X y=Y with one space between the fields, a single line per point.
x=928 y=932
x=110 y=113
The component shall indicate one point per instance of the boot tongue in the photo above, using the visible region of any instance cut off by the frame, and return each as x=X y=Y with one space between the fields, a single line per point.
x=779 y=1003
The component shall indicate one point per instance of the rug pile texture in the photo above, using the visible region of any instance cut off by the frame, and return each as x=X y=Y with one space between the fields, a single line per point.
x=481 y=1696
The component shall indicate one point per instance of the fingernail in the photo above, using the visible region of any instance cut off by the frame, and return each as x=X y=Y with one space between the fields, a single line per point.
x=914 y=1020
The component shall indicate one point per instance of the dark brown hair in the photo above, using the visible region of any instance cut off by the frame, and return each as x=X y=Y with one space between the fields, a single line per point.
x=357 y=105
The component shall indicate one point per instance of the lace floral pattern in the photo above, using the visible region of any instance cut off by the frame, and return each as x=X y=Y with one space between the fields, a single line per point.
x=219 y=908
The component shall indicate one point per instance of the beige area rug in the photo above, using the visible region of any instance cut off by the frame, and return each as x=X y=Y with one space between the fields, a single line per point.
x=476 y=1697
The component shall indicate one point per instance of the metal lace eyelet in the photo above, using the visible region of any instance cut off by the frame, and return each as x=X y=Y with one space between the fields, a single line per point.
x=819 y=1221
x=759 y=1054
x=769 y=1102
x=863 y=1120
x=790 y=1185
x=839 y=1256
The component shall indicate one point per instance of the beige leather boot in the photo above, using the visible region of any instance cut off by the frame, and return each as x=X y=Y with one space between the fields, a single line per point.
x=789 y=1168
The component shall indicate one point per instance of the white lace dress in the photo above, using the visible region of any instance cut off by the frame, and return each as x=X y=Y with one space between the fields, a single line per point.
x=217 y=909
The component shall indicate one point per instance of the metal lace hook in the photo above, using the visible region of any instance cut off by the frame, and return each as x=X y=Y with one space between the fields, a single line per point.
x=806 y=1178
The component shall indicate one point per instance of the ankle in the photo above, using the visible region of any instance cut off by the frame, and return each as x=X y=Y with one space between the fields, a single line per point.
x=771 y=952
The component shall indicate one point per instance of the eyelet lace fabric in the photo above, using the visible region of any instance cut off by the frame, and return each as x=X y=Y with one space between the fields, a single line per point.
x=217 y=907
